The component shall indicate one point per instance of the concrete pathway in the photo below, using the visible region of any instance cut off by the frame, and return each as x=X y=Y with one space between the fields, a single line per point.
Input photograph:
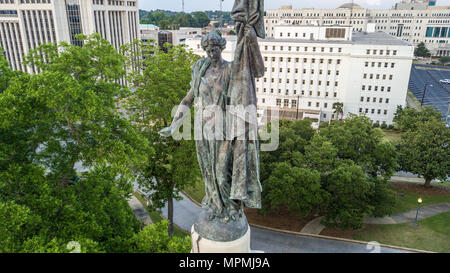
x=140 y=211
x=411 y=179
x=409 y=216
x=410 y=102
x=271 y=241
x=313 y=227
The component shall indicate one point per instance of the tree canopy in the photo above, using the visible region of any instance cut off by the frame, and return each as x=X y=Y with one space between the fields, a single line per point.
x=174 y=20
x=161 y=82
x=421 y=50
x=426 y=151
x=68 y=153
x=341 y=171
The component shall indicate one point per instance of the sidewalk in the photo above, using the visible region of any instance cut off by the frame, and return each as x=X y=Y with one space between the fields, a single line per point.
x=409 y=216
x=315 y=227
x=140 y=211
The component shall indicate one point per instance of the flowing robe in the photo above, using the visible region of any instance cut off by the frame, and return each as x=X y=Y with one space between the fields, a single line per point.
x=242 y=127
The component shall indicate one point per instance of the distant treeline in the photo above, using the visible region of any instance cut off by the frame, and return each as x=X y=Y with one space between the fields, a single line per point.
x=165 y=19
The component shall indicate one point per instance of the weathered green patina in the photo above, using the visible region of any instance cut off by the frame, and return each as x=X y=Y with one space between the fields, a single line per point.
x=225 y=104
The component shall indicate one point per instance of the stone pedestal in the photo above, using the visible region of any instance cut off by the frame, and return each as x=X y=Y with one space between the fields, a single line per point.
x=202 y=245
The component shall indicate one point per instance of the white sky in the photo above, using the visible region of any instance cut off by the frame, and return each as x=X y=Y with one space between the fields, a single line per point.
x=195 y=5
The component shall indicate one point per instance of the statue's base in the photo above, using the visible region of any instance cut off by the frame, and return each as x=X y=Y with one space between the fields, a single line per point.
x=202 y=245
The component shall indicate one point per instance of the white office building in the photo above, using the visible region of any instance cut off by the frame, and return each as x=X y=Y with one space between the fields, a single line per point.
x=26 y=24
x=414 y=21
x=308 y=68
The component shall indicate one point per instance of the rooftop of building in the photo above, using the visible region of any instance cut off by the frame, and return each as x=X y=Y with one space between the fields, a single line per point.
x=377 y=38
x=350 y=6
x=358 y=38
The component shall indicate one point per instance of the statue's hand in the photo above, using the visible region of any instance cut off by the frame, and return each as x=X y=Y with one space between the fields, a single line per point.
x=166 y=132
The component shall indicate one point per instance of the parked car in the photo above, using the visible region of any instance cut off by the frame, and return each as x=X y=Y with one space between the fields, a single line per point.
x=447 y=81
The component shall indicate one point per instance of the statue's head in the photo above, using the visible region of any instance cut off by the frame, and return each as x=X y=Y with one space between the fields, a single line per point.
x=213 y=44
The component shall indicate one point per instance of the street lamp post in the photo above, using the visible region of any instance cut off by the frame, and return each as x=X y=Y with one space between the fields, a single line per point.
x=419 y=201
x=424 y=91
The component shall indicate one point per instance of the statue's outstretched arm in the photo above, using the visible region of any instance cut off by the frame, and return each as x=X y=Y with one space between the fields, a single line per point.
x=180 y=115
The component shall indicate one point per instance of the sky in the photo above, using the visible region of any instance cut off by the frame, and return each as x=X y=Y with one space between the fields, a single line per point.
x=202 y=5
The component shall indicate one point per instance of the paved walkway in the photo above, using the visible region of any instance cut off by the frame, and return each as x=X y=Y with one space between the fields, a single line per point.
x=409 y=216
x=140 y=211
x=315 y=227
x=411 y=179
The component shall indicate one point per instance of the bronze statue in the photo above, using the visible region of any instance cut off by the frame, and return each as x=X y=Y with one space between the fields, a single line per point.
x=225 y=103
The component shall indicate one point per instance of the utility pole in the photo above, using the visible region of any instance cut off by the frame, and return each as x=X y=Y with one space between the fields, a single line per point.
x=221 y=14
x=182 y=6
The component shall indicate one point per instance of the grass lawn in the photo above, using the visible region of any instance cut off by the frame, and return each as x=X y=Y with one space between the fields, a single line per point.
x=432 y=234
x=197 y=192
x=391 y=135
x=408 y=193
x=156 y=216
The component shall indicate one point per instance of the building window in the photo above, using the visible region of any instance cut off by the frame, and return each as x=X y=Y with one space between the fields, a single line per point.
x=335 y=33
x=279 y=102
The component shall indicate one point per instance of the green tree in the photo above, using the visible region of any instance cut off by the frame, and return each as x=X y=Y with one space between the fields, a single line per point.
x=356 y=140
x=297 y=189
x=444 y=60
x=425 y=151
x=154 y=239
x=161 y=84
x=409 y=118
x=421 y=50
x=5 y=71
x=164 y=25
x=293 y=138
x=201 y=19
x=349 y=194
x=67 y=115
x=183 y=20
x=338 y=108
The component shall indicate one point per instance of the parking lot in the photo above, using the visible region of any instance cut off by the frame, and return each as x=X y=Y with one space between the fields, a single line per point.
x=437 y=93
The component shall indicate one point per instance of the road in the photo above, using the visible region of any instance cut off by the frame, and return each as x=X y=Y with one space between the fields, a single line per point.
x=270 y=241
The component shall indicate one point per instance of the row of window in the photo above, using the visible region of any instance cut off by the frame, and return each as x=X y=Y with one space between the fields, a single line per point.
x=305 y=60
x=114 y=3
x=438 y=32
x=381 y=52
x=374 y=99
x=327 y=94
x=31 y=1
x=288 y=70
x=375 y=88
x=312 y=49
x=366 y=110
x=311 y=82
x=293 y=103
x=377 y=76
